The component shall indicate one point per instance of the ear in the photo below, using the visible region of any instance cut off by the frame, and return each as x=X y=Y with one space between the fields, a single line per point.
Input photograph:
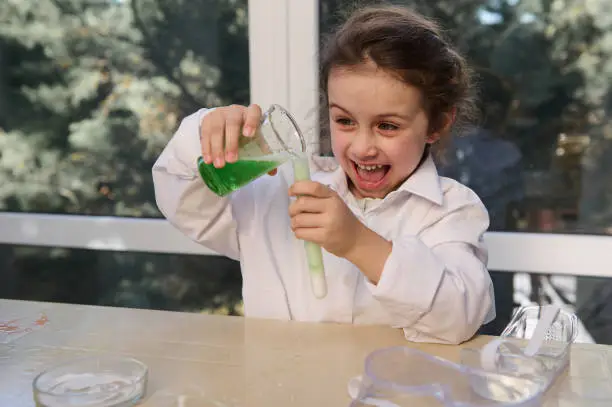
x=432 y=138
x=447 y=121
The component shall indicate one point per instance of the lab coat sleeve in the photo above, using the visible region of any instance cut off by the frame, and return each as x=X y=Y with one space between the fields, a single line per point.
x=436 y=285
x=185 y=200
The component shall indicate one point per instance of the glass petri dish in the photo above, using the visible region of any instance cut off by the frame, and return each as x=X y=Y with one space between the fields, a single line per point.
x=100 y=381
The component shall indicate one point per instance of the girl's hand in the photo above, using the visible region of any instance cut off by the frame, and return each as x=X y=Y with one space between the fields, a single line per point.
x=221 y=130
x=320 y=216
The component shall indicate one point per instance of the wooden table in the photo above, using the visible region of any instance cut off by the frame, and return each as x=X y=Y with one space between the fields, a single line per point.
x=234 y=360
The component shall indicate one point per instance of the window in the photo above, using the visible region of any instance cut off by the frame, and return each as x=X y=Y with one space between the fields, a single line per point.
x=90 y=92
x=173 y=282
x=540 y=157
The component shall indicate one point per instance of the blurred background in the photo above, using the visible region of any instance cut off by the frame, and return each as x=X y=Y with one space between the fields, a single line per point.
x=91 y=90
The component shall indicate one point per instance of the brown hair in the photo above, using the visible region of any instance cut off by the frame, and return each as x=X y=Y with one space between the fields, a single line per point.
x=411 y=47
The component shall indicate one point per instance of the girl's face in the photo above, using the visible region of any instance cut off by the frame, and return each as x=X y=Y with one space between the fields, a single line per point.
x=379 y=128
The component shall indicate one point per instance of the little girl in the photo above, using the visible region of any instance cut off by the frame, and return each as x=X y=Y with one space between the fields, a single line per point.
x=402 y=246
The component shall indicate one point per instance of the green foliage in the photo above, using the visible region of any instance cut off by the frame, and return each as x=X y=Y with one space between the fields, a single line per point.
x=90 y=92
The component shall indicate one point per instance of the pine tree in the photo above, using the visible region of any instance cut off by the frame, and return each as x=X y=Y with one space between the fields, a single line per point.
x=93 y=90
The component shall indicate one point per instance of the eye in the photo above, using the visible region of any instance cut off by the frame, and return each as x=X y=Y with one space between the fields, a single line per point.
x=387 y=127
x=343 y=121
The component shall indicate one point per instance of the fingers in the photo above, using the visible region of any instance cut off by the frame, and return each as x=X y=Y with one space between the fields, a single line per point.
x=306 y=204
x=212 y=136
x=233 y=124
x=221 y=130
x=306 y=220
x=252 y=117
x=216 y=138
x=310 y=188
x=314 y=235
x=205 y=132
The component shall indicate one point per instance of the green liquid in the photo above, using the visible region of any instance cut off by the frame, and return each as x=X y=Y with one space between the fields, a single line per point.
x=233 y=176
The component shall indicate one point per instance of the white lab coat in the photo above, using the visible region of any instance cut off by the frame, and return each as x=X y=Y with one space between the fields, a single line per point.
x=434 y=285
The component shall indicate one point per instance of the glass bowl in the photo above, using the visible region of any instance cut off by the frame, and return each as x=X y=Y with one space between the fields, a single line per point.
x=100 y=381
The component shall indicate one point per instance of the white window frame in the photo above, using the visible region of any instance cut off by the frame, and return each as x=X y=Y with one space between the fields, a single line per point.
x=545 y=253
x=283 y=39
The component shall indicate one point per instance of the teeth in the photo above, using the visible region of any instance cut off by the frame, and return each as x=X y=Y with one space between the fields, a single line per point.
x=369 y=167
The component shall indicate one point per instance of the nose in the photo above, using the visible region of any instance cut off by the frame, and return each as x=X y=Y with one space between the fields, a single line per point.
x=364 y=144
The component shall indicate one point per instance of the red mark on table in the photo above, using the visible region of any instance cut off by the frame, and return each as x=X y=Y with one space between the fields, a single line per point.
x=42 y=320
x=9 y=326
x=16 y=328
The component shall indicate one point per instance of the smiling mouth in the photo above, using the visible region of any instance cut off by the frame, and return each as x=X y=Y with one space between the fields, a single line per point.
x=370 y=175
